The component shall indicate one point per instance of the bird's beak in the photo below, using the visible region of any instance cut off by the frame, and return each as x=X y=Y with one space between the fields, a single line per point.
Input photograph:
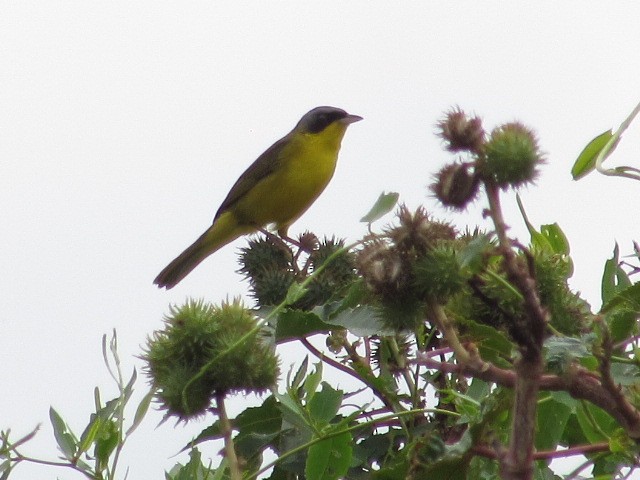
x=350 y=119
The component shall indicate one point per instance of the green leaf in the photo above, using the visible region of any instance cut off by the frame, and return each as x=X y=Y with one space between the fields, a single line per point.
x=312 y=381
x=556 y=238
x=552 y=420
x=362 y=321
x=106 y=442
x=614 y=278
x=64 y=437
x=625 y=374
x=563 y=351
x=257 y=427
x=586 y=161
x=492 y=343
x=293 y=324
x=212 y=432
x=472 y=255
x=89 y=434
x=596 y=424
x=549 y=239
x=291 y=412
x=325 y=404
x=300 y=375
x=629 y=298
x=141 y=411
x=330 y=458
x=622 y=324
x=296 y=292
x=385 y=203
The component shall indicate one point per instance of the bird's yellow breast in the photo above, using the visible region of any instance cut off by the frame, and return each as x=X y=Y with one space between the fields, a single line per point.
x=306 y=165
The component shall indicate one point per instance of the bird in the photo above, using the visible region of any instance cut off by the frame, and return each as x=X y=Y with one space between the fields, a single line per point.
x=277 y=188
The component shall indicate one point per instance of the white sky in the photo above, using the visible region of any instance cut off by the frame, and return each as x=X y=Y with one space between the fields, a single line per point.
x=123 y=125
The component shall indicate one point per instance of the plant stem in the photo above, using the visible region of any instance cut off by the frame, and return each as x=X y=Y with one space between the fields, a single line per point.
x=227 y=431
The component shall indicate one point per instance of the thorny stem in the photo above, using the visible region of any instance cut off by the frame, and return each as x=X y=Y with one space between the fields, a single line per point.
x=227 y=431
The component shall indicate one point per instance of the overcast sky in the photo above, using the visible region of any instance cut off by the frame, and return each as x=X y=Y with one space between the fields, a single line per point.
x=124 y=123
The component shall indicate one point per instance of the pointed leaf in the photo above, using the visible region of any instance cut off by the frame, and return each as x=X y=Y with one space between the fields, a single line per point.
x=552 y=420
x=614 y=278
x=385 y=203
x=330 y=458
x=556 y=238
x=141 y=411
x=293 y=324
x=325 y=404
x=362 y=321
x=65 y=439
x=312 y=381
x=586 y=161
x=89 y=434
x=300 y=374
x=212 y=432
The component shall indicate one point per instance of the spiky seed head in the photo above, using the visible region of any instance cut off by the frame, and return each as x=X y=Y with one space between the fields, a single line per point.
x=455 y=185
x=196 y=336
x=461 y=132
x=511 y=156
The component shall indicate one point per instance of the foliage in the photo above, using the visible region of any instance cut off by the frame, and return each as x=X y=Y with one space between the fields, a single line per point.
x=468 y=354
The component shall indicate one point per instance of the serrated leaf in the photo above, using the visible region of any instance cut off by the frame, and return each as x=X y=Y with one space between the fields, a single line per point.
x=291 y=411
x=565 y=349
x=629 y=298
x=266 y=418
x=586 y=161
x=257 y=426
x=385 y=203
x=293 y=324
x=330 y=458
x=312 y=381
x=625 y=374
x=212 y=432
x=492 y=343
x=362 y=321
x=301 y=373
x=325 y=404
x=65 y=439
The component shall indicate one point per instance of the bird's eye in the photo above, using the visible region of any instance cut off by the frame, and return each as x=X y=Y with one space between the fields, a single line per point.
x=323 y=120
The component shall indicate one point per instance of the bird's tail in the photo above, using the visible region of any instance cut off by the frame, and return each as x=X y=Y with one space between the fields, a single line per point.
x=224 y=230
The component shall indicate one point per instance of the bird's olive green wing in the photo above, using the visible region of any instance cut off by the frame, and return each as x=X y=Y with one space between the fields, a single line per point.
x=264 y=166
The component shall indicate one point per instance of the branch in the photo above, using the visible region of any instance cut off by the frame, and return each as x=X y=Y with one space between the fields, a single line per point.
x=489 y=452
x=578 y=382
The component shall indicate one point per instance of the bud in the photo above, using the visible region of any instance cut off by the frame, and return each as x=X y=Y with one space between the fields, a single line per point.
x=455 y=186
x=460 y=132
x=511 y=156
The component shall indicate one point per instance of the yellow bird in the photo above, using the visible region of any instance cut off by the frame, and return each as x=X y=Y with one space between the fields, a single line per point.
x=276 y=189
